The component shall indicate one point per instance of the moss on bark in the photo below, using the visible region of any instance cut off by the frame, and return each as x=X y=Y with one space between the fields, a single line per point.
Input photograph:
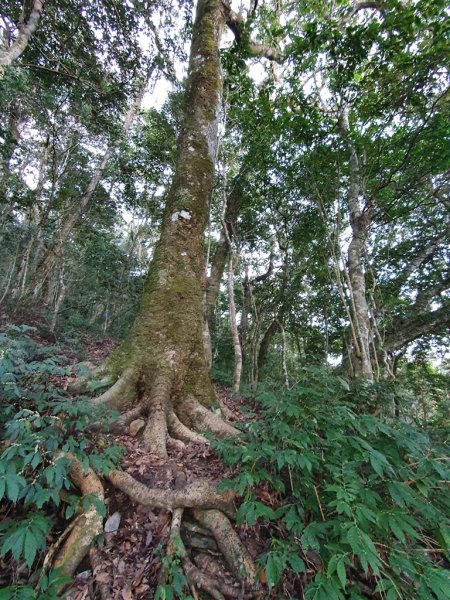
x=166 y=341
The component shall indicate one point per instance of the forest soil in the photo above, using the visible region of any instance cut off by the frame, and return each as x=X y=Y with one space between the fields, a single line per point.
x=128 y=563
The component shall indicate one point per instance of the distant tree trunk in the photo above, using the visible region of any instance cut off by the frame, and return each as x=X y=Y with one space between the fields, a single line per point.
x=234 y=328
x=283 y=356
x=359 y=221
x=35 y=232
x=59 y=300
x=234 y=201
x=11 y=142
x=266 y=341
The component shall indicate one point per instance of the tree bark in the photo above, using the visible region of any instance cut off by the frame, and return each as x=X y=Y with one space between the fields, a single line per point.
x=26 y=30
x=165 y=348
x=359 y=221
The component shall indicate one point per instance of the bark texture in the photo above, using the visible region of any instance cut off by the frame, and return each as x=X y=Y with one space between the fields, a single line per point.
x=359 y=221
x=26 y=30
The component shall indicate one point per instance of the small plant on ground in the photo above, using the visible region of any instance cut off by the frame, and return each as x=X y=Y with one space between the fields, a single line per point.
x=43 y=426
x=352 y=504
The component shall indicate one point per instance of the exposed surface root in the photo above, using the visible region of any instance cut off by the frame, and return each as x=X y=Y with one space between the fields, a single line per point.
x=128 y=417
x=88 y=525
x=183 y=433
x=174 y=536
x=182 y=477
x=216 y=588
x=119 y=394
x=199 y=494
x=155 y=432
x=227 y=413
x=201 y=419
x=229 y=544
x=102 y=586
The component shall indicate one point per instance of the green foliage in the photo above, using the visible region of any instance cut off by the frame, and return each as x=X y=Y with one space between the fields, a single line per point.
x=361 y=500
x=48 y=587
x=41 y=426
x=175 y=583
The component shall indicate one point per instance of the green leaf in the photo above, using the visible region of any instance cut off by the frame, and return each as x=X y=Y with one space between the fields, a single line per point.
x=30 y=547
x=297 y=564
x=274 y=569
x=341 y=572
x=12 y=487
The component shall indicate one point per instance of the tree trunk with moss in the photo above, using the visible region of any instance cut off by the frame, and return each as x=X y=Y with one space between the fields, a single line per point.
x=164 y=355
x=162 y=366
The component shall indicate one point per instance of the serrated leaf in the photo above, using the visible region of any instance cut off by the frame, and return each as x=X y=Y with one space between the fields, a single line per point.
x=30 y=547
x=341 y=572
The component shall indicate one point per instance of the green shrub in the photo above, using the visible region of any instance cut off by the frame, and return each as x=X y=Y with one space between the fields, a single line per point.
x=360 y=501
x=41 y=423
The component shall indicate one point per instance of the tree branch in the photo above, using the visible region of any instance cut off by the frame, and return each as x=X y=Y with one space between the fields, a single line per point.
x=402 y=334
x=236 y=24
x=26 y=30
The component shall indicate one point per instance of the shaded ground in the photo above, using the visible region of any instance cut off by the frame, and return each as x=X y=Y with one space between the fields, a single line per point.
x=129 y=560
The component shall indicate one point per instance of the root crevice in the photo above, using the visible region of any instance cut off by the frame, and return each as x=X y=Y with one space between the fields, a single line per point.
x=119 y=394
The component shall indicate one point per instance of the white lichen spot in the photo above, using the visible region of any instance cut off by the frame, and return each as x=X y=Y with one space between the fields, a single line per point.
x=191 y=148
x=181 y=214
x=162 y=277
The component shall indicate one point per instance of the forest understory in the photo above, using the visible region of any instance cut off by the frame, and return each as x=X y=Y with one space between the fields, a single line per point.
x=127 y=558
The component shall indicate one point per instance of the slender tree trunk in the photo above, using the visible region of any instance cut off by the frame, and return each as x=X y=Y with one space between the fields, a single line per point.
x=283 y=356
x=59 y=300
x=35 y=232
x=12 y=141
x=356 y=252
x=234 y=200
x=234 y=329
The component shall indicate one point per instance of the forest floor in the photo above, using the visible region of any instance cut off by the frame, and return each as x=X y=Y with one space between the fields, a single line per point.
x=128 y=561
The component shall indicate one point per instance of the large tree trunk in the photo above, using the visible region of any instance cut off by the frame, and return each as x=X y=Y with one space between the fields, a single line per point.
x=165 y=352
